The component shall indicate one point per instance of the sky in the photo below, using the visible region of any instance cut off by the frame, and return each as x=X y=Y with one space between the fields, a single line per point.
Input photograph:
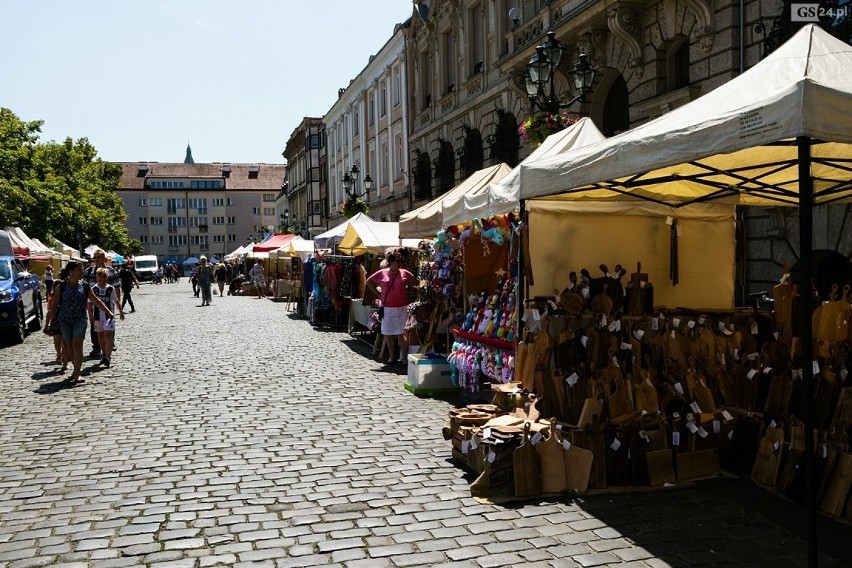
x=141 y=78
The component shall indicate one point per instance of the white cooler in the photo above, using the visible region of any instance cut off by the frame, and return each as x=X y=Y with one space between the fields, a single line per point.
x=429 y=376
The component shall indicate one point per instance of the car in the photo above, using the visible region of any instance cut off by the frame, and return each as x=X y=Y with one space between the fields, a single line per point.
x=21 y=308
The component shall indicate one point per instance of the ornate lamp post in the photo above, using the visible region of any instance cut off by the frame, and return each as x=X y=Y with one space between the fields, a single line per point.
x=540 y=86
x=354 y=204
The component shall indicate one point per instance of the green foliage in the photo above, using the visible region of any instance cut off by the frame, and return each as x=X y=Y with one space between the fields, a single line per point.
x=59 y=190
x=353 y=206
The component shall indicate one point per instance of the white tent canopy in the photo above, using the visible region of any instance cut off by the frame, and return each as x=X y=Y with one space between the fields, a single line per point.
x=735 y=144
x=501 y=197
x=333 y=236
x=302 y=248
x=428 y=219
x=372 y=237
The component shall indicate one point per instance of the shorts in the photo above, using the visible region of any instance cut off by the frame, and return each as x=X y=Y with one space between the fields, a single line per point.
x=76 y=330
x=104 y=324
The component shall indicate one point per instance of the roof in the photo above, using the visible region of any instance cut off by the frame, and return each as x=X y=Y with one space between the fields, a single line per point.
x=274 y=242
x=269 y=176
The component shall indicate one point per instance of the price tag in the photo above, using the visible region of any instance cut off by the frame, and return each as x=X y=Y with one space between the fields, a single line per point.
x=775 y=334
x=727 y=416
x=843 y=374
x=585 y=293
x=702 y=432
x=689 y=416
x=626 y=346
x=536 y=316
x=750 y=375
x=691 y=427
x=638 y=334
x=721 y=326
x=672 y=332
x=572 y=379
x=772 y=424
x=675 y=323
x=824 y=450
x=617 y=324
x=615 y=445
x=675 y=438
x=615 y=362
x=612 y=326
x=767 y=370
x=776 y=446
x=641 y=285
x=566 y=445
x=717 y=426
x=754 y=328
x=584 y=340
x=538 y=437
x=731 y=435
x=559 y=427
x=491 y=456
x=486 y=433
x=644 y=435
x=816 y=367
x=655 y=324
x=695 y=408
x=603 y=321
x=473 y=444
x=679 y=388
x=736 y=353
x=752 y=356
x=675 y=414
x=465 y=446
x=691 y=324
x=701 y=320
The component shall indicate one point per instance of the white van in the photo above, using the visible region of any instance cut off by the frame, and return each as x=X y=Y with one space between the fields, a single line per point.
x=145 y=265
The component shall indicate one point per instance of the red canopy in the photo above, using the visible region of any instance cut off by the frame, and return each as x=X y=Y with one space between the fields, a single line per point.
x=274 y=242
x=21 y=252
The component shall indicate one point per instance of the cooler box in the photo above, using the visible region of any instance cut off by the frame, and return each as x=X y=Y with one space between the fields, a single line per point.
x=429 y=376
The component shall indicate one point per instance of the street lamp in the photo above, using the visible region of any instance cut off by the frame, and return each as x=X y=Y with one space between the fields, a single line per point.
x=285 y=221
x=350 y=183
x=540 y=71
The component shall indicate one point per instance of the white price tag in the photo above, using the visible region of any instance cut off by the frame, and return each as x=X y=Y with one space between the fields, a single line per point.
x=603 y=321
x=615 y=362
x=816 y=367
x=843 y=374
x=775 y=334
x=767 y=370
x=675 y=323
x=572 y=379
x=491 y=456
x=644 y=435
x=679 y=388
x=655 y=324
x=584 y=340
x=626 y=346
x=641 y=285
x=750 y=375
x=473 y=444
x=727 y=416
x=721 y=326
x=824 y=451
x=753 y=356
x=617 y=324
x=585 y=293
x=754 y=328
x=675 y=438
x=776 y=446
x=736 y=353
x=702 y=432
x=691 y=427
x=536 y=316
x=701 y=320
x=465 y=446
x=615 y=445
x=538 y=437
x=772 y=424
x=486 y=433
x=675 y=414
x=638 y=334
x=691 y=324
x=695 y=408
x=612 y=327
x=673 y=334
x=717 y=426
x=566 y=445
x=731 y=435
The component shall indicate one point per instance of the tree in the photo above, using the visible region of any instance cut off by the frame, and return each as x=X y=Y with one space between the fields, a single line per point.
x=59 y=190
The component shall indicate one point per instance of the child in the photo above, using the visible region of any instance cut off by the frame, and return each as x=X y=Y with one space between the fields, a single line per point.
x=104 y=324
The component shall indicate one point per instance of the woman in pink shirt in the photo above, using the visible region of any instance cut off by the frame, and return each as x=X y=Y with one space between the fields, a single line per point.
x=390 y=285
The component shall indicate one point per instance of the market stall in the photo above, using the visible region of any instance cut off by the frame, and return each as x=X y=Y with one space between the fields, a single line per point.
x=372 y=237
x=666 y=396
x=332 y=237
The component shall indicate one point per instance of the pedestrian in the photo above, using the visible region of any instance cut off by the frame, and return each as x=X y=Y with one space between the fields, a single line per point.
x=90 y=278
x=392 y=282
x=105 y=320
x=193 y=279
x=70 y=307
x=221 y=278
x=257 y=279
x=127 y=276
x=205 y=280
x=48 y=280
x=52 y=328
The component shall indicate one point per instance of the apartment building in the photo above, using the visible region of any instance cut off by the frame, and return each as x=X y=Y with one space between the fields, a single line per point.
x=304 y=195
x=183 y=210
x=367 y=127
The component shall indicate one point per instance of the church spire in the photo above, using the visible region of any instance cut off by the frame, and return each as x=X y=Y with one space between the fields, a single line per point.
x=188 y=159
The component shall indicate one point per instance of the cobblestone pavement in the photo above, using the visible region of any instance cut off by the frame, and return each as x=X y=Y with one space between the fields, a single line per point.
x=236 y=435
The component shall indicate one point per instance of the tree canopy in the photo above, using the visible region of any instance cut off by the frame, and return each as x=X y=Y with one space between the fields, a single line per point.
x=59 y=191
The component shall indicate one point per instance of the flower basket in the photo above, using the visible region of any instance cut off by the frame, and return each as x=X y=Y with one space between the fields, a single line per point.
x=353 y=206
x=538 y=126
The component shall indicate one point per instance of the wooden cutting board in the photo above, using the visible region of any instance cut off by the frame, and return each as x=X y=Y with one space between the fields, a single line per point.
x=660 y=467
x=839 y=485
x=844 y=318
x=551 y=456
x=618 y=398
x=592 y=409
x=767 y=462
x=525 y=462
x=646 y=397
x=825 y=316
x=843 y=411
x=578 y=468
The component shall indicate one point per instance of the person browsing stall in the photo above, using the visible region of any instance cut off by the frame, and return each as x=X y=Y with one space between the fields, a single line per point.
x=390 y=284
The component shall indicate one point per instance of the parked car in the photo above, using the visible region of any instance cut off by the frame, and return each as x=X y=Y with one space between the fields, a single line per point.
x=20 y=299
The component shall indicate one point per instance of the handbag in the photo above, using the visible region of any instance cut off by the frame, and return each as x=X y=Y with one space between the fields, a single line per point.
x=381 y=312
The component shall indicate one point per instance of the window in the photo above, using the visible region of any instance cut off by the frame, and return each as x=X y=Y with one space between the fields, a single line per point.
x=269 y=210
x=383 y=171
x=198 y=221
x=425 y=76
x=143 y=220
x=198 y=203
x=177 y=240
x=205 y=184
x=232 y=220
x=477 y=40
x=397 y=87
x=315 y=207
x=156 y=202
x=173 y=204
x=383 y=98
x=218 y=220
x=166 y=185
x=143 y=239
x=314 y=141
x=255 y=210
x=156 y=220
x=218 y=202
x=218 y=238
x=269 y=197
x=371 y=109
x=232 y=238
x=356 y=118
x=200 y=241
x=157 y=239
x=143 y=202
x=230 y=202
x=449 y=74
x=677 y=63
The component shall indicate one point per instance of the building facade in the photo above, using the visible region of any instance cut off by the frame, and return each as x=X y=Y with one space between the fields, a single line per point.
x=183 y=210
x=368 y=127
x=305 y=181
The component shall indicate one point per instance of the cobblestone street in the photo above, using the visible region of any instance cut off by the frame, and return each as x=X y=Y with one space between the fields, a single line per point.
x=237 y=435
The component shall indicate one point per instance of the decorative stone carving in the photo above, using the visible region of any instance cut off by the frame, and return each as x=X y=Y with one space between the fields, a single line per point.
x=703 y=33
x=625 y=22
x=474 y=85
x=593 y=44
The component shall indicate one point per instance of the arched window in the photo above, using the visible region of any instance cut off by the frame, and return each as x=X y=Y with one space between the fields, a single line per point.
x=616 y=115
x=677 y=64
x=445 y=167
x=472 y=153
x=505 y=142
x=422 y=175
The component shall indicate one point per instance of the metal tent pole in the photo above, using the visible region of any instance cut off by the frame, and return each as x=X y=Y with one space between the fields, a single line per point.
x=806 y=206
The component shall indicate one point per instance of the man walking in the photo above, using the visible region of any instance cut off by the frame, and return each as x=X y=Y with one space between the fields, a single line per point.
x=113 y=280
x=127 y=275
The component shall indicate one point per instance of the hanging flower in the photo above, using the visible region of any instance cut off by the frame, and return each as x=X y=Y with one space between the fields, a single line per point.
x=353 y=206
x=538 y=126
